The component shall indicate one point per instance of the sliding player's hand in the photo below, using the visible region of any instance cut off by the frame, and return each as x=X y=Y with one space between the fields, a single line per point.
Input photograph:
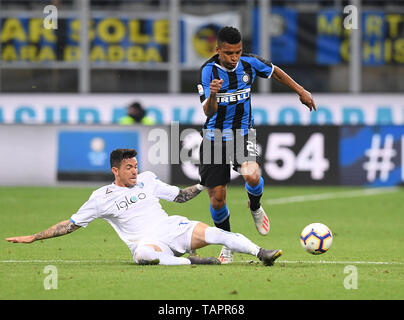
x=22 y=239
x=307 y=99
x=215 y=85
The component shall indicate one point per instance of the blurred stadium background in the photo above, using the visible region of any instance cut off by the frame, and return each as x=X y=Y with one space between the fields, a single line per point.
x=64 y=87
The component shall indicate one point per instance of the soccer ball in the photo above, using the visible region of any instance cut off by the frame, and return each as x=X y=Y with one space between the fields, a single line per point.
x=316 y=238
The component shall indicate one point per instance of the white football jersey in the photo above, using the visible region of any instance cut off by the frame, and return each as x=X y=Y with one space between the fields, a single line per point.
x=134 y=212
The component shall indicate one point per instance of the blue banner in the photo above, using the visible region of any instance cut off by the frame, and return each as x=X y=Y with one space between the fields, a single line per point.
x=382 y=38
x=329 y=40
x=371 y=156
x=120 y=39
x=88 y=151
x=283 y=29
x=25 y=39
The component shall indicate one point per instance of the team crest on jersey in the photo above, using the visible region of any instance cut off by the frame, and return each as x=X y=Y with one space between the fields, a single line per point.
x=245 y=78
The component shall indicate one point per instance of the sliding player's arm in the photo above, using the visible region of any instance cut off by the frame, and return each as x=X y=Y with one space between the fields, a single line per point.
x=188 y=193
x=305 y=96
x=60 y=229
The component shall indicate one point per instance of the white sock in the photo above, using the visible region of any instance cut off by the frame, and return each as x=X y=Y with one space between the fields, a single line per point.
x=148 y=253
x=234 y=241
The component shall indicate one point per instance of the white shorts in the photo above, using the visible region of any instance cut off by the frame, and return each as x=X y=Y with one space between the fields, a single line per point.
x=172 y=237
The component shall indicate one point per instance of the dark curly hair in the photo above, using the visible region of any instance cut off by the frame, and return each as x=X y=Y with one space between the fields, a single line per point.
x=118 y=155
x=229 y=35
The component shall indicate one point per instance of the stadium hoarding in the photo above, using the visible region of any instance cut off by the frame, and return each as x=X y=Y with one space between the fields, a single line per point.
x=288 y=155
x=84 y=154
x=83 y=151
x=283 y=23
x=111 y=39
x=54 y=154
x=141 y=38
x=28 y=155
x=371 y=156
x=273 y=109
x=198 y=42
x=320 y=38
x=297 y=37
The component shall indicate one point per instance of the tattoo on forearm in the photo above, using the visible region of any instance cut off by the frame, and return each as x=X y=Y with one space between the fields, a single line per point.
x=187 y=194
x=57 y=230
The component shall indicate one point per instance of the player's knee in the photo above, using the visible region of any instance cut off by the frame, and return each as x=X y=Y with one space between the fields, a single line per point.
x=217 y=201
x=251 y=174
x=144 y=254
x=217 y=204
x=252 y=179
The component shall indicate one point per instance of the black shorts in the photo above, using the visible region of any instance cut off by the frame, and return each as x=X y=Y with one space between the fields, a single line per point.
x=216 y=158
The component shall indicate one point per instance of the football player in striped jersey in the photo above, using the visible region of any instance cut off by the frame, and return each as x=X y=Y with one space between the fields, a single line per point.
x=228 y=133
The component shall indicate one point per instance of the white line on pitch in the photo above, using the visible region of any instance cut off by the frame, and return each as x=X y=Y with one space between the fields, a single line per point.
x=66 y=261
x=325 y=262
x=342 y=262
x=331 y=195
x=241 y=261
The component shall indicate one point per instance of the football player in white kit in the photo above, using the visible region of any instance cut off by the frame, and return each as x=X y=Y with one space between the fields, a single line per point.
x=131 y=206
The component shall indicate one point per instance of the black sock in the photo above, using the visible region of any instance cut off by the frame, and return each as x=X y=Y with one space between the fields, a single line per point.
x=224 y=225
x=254 y=201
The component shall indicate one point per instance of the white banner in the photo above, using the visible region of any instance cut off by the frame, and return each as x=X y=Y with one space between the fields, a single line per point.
x=200 y=36
x=273 y=109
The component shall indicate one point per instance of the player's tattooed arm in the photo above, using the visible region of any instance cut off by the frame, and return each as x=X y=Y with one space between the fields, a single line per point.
x=60 y=229
x=188 y=193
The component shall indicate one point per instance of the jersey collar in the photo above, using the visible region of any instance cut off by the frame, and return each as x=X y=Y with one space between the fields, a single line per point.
x=225 y=69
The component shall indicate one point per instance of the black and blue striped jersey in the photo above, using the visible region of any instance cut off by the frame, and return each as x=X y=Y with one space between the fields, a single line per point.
x=234 y=97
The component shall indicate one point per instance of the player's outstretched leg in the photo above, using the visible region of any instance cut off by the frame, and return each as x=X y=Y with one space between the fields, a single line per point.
x=239 y=243
x=268 y=257
x=147 y=255
x=203 y=260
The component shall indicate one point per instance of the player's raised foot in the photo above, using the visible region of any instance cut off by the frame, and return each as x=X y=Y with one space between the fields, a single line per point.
x=203 y=260
x=226 y=255
x=268 y=257
x=261 y=220
x=148 y=262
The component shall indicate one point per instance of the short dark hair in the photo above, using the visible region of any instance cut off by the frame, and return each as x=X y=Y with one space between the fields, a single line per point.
x=229 y=35
x=136 y=105
x=118 y=155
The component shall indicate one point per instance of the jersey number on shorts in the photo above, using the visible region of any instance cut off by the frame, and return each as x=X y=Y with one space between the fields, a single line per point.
x=252 y=148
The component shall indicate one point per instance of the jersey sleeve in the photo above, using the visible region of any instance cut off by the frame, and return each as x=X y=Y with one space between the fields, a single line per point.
x=263 y=67
x=204 y=83
x=163 y=190
x=87 y=213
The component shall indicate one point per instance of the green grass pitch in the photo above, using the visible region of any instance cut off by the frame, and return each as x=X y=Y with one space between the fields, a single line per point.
x=366 y=260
